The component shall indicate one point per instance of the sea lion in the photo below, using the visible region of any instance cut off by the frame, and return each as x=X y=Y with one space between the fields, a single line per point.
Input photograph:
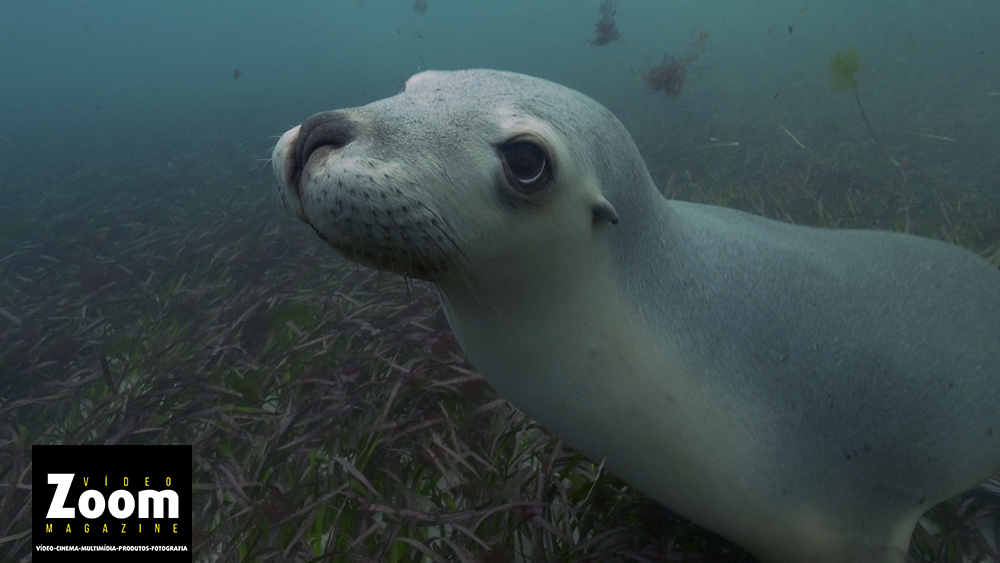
x=805 y=392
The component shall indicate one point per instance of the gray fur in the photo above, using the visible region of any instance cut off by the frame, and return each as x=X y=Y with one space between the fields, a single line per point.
x=808 y=393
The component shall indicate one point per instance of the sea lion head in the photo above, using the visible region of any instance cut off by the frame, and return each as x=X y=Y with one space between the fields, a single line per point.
x=461 y=170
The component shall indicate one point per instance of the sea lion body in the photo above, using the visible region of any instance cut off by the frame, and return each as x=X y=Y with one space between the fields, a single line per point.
x=806 y=392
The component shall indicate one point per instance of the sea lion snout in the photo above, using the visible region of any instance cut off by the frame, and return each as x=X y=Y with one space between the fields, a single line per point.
x=326 y=131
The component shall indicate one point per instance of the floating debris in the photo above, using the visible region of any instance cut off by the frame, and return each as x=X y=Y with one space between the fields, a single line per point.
x=932 y=136
x=789 y=133
x=670 y=75
x=667 y=77
x=10 y=316
x=605 y=30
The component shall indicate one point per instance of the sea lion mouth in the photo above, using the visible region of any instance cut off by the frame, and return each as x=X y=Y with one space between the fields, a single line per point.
x=422 y=250
x=406 y=264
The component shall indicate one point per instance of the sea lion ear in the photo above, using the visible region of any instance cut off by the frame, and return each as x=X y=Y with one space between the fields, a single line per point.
x=604 y=211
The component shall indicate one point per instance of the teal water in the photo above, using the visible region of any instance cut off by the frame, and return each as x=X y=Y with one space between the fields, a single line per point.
x=113 y=79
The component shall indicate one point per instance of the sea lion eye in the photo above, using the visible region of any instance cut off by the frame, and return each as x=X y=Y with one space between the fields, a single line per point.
x=526 y=165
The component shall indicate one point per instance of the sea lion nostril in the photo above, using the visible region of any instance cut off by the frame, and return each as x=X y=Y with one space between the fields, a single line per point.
x=333 y=129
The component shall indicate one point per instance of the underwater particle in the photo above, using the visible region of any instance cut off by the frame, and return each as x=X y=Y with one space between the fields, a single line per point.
x=16 y=228
x=188 y=304
x=667 y=77
x=605 y=30
x=420 y=6
x=670 y=75
x=843 y=65
x=73 y=223
x=62 y=351
x=789 y=30
x=30 y=287
x=253 y=335
x=95 y=279
x=237 y=74
x=699 y=44
x=138 y=271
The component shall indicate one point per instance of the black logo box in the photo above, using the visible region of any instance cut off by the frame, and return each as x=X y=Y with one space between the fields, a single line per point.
x=141 y=539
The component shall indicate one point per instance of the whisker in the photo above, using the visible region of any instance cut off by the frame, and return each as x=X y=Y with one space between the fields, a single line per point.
x=456 y=258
